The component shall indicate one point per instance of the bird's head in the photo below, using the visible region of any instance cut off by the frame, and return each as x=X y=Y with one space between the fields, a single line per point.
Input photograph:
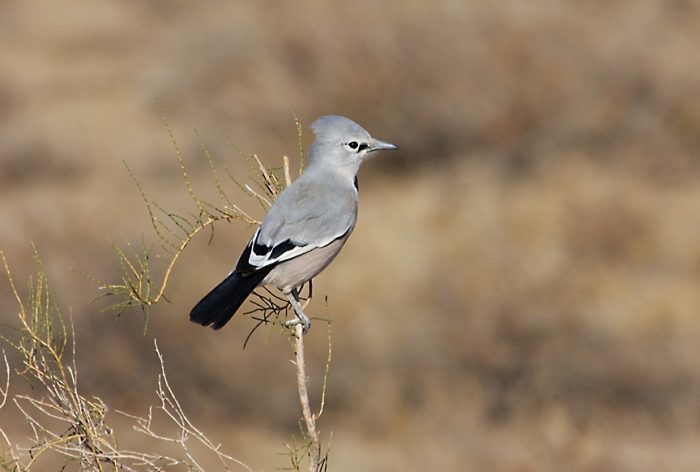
x=341 y=141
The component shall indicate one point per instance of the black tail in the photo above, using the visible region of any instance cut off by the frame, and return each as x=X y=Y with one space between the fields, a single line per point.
x=219 y=305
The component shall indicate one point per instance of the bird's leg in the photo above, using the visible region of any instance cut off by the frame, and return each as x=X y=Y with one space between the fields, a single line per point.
x=293 y=297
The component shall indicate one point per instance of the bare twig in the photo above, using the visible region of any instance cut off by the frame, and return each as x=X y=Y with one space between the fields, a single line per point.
x=171 y=408
x=65 y=425
x=8 y=460
x=309 y=418
x=4 y=390
x=287 y=176
x=327 y=369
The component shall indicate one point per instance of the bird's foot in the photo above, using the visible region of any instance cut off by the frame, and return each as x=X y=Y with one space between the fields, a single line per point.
x=301 y=319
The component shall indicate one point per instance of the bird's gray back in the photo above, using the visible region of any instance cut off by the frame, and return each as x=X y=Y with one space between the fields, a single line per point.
x=318 y=207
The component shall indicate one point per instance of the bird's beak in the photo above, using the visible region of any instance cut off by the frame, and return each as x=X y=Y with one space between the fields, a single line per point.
x=377 y=145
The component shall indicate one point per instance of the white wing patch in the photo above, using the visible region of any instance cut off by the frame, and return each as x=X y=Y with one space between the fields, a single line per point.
x=262 y=255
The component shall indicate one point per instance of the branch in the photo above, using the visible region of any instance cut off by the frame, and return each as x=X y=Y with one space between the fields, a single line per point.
x=309 y=418
x=68 y=428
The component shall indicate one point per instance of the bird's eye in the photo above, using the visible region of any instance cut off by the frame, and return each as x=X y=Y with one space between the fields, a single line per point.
x=353 y=145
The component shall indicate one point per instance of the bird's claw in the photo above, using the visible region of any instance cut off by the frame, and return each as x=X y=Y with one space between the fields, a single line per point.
x=303 y=320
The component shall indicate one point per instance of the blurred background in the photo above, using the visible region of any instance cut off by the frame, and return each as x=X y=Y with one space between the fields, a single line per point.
x=522 y=290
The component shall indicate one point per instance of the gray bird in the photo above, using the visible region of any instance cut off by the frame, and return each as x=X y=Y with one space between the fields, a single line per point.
x=304 y=229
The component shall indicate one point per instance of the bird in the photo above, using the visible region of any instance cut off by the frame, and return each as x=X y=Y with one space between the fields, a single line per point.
x=304 y=229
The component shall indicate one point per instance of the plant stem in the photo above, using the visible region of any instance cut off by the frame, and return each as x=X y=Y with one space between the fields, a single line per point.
x=309 y=418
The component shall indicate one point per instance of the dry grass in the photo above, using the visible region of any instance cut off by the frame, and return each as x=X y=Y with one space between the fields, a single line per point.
x=533 y=295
